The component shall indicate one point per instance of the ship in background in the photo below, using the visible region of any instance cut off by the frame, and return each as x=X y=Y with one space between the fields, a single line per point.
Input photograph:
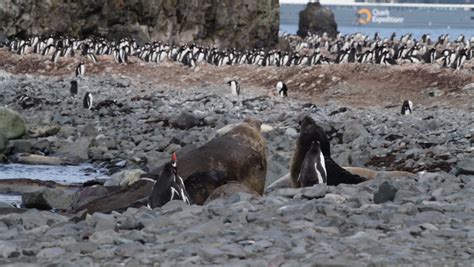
x=389 y=13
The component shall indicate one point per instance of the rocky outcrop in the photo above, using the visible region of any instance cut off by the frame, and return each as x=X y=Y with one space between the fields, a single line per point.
x=240 y=23
x=12 y=124
x=316 y=19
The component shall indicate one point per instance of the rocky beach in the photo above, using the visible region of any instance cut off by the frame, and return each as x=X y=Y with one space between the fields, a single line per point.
x=425 y=217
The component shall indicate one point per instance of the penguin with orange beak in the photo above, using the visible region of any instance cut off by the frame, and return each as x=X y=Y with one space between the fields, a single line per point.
x=169 y=186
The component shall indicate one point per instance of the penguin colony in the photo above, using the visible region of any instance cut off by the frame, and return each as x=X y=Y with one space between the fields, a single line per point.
x=313 y=50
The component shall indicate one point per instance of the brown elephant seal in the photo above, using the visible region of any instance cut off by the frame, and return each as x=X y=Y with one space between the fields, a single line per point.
x=228 y=190
x=311 y=132
x=237 y=156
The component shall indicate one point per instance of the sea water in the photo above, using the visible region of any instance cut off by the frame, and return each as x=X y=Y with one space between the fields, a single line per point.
x=434 y=32
x=59 y=174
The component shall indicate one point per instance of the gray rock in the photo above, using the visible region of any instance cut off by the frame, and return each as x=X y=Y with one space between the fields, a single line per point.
x=104 y=237
x=124 y=178
x=465 y=167
x=291 y=132
x=185 y=121
x=316 y=191
x=12 y=125
x=468 y=87
x=11 y=233
x=103 y=222
x=8 y=250
x=82 y=247
x=354 y=132
x=89 y=130
x=210 y=252
x=51 y=253
x=49 y=198
x=43 y=131
x=78 y=150
x=386 y=192
x=21 y=146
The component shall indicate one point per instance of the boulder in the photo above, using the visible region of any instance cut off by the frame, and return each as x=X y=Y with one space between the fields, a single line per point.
x=12 y=124
x=185 y=120
x=44 y=131
x=228 y=190
x=239 y=23
x=21 y=146
x=49 y=198
x=124 y=178
x=76 y=151
x=385 y=193
x=468 y=87
x=466 y=167
x=354 y=132
x=316 y=19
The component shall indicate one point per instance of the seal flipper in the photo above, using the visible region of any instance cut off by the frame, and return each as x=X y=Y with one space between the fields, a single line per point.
x=337 y=175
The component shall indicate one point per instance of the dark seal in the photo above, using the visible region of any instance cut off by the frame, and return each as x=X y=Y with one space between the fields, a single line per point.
x=311 y=132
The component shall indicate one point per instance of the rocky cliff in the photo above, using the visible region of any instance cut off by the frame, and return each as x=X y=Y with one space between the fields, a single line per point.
x=239 y=23
x=316 y=19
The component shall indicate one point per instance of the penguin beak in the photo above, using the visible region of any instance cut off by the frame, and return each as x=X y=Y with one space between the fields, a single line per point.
x=174 y=162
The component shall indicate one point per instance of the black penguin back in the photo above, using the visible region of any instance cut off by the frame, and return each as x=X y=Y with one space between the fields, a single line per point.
x=74 y=87
x=161 y=193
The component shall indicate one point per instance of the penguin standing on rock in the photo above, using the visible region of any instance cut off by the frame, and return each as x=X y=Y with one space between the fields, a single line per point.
x=80 y=70
x=74 y=88
x=313 y=169
x=169 y=186
x=87 y=102
x=407 y=107
x=234 y=87
x=282 y=89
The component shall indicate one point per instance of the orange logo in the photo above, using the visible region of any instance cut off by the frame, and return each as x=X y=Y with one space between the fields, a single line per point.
x=365 y=16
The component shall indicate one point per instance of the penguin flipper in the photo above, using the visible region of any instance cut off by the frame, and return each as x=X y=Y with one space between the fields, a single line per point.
x=337 y=175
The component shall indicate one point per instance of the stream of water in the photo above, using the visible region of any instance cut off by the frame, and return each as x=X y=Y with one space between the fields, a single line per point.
x=59 y=174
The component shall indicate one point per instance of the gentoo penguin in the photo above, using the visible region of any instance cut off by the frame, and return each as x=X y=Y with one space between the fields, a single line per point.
x=311 y=132
x=282 y=89
x=407 y=107
x=459 y=60
x=80 y=69
x=56 y=56
x=169 y=186
x=87 y=102
x=313 y=169
x=234 y=87
x=74 y=87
